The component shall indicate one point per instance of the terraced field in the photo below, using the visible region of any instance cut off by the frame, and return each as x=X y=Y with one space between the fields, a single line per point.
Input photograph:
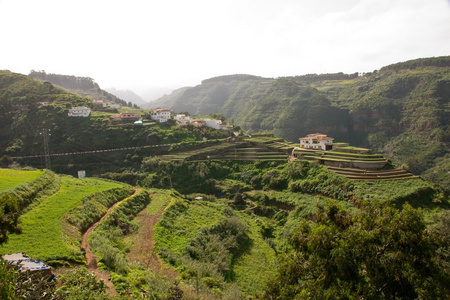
x=357 y=174
x=42 y=234
x=10 y=179
x=198 y=153
x=343 y=159
x=232 y=151
x=249 y=152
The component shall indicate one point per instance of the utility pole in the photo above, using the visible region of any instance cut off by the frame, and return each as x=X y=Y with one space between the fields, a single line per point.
x=46 y=133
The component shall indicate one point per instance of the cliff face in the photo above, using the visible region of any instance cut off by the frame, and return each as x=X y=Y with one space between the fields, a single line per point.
x=367 y=121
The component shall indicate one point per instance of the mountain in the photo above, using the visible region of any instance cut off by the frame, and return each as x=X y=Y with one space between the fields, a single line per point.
x=401 y=110
x=127 y=95
x=166 y=100
x=83 y=86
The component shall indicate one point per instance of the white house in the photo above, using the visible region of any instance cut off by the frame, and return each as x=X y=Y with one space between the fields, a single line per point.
x=317 y=141
x=79 y=112
x=101 y=103
x=182 y=119
x=161 y=114
x=216 y=124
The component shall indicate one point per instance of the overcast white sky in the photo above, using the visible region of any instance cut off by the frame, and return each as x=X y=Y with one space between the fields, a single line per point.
x=145 y=44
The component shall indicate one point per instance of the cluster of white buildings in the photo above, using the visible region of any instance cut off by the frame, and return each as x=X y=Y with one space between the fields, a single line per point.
x=83 y=111
x=198 y=123
x=160 y=115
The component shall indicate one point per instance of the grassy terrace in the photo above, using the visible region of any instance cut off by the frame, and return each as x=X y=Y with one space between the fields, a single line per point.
x=336 y=153
x=263 y=139
x=344 y=159
x=42 y=235
x=231 y=151
x=181 y=156
x=10 y=179
x=372 y=175
x=354 y=148
x=337 y=157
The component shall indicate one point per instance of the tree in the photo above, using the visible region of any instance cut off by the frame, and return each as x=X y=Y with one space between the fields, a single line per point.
x=8 y=216
x=377 y=253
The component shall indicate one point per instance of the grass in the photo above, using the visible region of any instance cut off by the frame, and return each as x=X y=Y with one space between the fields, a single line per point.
x=257 y=265
x=185 y=225
x=160 y=198
x=380 y=190
x=10 y=179
x=41 y=235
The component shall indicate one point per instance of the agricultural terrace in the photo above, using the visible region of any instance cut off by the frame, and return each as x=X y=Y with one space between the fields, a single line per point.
x=10 y=179
x=41 y=235
x=207 y=238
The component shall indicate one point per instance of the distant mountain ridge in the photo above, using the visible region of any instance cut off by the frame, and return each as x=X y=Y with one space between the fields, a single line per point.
x=83 y=86
x=127 y=95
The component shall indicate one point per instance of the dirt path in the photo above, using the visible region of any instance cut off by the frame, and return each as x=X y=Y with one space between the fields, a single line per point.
x=91 y=259
x=143 y=250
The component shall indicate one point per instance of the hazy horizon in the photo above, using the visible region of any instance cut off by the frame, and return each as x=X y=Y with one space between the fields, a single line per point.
x=146 y=46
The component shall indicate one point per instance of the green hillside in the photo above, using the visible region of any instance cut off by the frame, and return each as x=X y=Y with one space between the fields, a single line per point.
x=11 y=179
x=196 y=213
x=83 y=86
x=41 y=228
x=237 y=228
x=401 y=111
x=27 y=126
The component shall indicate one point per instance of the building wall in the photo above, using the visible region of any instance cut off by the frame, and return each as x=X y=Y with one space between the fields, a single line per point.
x=79 y=112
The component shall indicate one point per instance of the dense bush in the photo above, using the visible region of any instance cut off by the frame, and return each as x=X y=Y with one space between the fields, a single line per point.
x=377 y=253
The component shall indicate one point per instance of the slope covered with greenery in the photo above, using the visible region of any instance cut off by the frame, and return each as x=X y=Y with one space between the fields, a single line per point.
x=41 y=230
x=252 y=229
x=26 y=125
x=402 y=110
x=83 y=86
x=237 y=229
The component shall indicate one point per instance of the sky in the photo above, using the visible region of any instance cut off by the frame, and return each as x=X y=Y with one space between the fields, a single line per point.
x=142 y=45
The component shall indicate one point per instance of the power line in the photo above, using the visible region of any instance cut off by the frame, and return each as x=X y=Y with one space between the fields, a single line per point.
x=47 y=154
x=46 y=133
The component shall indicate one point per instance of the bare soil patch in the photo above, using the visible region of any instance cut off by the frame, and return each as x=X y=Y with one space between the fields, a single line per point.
x=142 y=249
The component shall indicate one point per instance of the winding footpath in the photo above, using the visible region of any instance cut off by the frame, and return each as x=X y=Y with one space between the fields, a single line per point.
x=142 y=249
x=91 y=259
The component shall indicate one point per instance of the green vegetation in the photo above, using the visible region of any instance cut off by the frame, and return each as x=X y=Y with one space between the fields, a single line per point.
x=109 y=242
x=401 y=111
x=14 y=202
x=207 y=241
x=10 y=179
x=376 y=253
x=76 y=283
x=237 y=217
x=42 y=235
x=83 y=86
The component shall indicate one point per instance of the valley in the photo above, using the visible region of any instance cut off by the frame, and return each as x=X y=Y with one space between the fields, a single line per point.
x=261 y=207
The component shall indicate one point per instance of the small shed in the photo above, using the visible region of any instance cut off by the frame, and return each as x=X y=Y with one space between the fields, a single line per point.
x=28 y=264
